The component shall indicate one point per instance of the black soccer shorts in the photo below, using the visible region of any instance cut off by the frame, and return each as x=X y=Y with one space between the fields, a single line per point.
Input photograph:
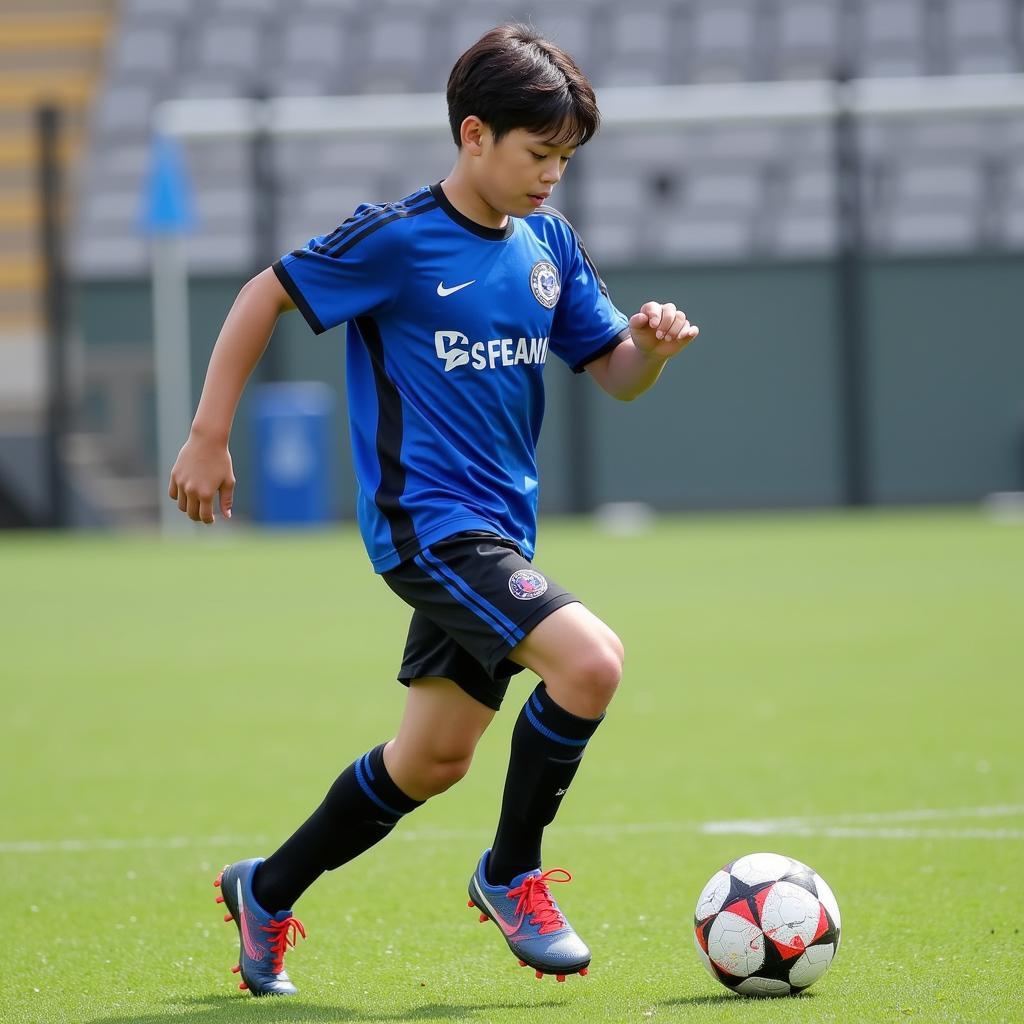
x=474 y=597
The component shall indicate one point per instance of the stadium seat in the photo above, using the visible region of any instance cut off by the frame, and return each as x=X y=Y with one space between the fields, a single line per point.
x=893 y=39
x=723 y=42
x=463 y=22
x=982 y=38
x=639 y=46
x=176 y=10
x=255 y=9
x=934 y=207
x=226 y=46
x=393 y=51
x=316 y=53
x=806 y=39
x=143 y=52
x=123 y=112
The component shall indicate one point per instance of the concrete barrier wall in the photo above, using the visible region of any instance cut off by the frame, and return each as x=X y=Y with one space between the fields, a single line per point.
x=747 y=417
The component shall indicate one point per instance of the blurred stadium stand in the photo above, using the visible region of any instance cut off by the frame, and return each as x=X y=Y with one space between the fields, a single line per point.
x=711 y=194
x=737 y=192
x=50 y=51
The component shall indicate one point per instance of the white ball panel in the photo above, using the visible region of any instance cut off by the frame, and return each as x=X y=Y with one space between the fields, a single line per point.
x=735 y=944
x=704 y=959
x=811 y=965
x=828 y=898
x=789 y=913
x=713 y=897
x=763 y=987
x=761 y=867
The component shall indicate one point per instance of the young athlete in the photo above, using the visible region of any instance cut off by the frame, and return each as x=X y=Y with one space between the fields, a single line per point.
x=453 y=297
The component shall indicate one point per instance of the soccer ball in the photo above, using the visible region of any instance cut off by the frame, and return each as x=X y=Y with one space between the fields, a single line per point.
x=766 y=925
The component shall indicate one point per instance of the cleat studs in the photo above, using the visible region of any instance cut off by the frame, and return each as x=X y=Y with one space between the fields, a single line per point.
x=584 y=971
x=219 y=899
x=559 y=977
x=483 y=918
x=470 y=904
x=539 y=975
x=236 y=968
x=522 y=963
x=242 y=985
x=228 y=917
x=216 y=881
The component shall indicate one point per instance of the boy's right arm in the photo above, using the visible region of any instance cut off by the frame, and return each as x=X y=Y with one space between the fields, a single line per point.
x=203 y=467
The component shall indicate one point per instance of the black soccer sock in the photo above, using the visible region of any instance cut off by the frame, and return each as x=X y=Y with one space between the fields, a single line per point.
x=360 y=809
x=547 y=746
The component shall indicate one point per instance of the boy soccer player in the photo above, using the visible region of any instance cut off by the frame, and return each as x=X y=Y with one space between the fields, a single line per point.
x=453 y=298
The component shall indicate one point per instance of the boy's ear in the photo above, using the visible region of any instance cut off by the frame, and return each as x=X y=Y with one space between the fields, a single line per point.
x=473 y=133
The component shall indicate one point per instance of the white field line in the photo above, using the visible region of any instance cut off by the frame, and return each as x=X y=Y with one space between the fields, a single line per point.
x=754 y=828
x=93 y=845
x=881 y=825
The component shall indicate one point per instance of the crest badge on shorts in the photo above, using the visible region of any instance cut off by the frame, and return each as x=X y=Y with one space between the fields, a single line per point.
x=545 y=284
x=526 y=584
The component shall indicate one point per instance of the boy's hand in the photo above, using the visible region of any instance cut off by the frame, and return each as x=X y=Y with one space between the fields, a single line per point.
x=659 y=329
x=202 y=469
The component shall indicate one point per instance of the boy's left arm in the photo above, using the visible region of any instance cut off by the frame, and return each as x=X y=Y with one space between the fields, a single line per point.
x=656 y=334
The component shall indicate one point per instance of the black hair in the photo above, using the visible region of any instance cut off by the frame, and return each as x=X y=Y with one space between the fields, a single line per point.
x=514 y=78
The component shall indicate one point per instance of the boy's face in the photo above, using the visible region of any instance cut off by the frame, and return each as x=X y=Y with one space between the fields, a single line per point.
x=519 y=172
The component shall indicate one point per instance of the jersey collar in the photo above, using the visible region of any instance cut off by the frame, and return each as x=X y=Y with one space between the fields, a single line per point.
x=493 y=234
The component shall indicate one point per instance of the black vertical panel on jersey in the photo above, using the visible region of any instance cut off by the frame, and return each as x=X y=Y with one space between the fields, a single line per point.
x=389 y=439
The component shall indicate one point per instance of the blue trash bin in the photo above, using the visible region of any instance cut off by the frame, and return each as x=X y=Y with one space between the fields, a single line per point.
x=294 y=479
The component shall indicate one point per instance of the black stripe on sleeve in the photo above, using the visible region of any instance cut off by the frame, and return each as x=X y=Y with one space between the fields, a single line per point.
x=612 y=343
x=353 y=239
x=358 y=221
x=390 y=427
x=298 y=298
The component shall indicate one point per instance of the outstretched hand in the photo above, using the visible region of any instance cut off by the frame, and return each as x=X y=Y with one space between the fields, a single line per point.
x=659 y=329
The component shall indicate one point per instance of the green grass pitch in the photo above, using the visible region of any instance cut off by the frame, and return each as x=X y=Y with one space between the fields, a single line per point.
x=168 y=707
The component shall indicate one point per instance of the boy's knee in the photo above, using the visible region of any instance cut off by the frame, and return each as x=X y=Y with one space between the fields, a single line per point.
x=440 y=775
x=601 y=672
x=596 y=673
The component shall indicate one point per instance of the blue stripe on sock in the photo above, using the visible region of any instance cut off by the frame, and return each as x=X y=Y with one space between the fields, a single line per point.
x=472 y=595
x=545 y=731
x=479 y=612
x=369 y=767
x=369 y=792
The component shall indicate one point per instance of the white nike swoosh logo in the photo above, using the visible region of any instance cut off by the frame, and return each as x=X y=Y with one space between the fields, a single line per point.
x=508 y=929
x=442 y=291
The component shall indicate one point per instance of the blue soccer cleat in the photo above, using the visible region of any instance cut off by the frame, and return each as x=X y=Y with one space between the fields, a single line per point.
x=534 y=928
x=263 y=937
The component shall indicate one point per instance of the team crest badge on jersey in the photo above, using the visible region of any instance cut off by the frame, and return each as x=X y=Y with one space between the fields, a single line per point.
x=545 y=284
x=525 y=584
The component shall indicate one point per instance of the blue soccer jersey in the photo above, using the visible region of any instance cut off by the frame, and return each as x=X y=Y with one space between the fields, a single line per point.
x=449 y=326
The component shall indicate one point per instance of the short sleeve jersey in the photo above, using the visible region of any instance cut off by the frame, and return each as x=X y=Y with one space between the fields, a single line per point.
x=450 y=324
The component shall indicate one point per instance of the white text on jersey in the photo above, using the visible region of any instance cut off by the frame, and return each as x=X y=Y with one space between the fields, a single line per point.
x=456 y=350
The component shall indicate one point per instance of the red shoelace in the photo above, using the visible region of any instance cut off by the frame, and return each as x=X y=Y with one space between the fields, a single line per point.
x=535 y=900
x=282 y=935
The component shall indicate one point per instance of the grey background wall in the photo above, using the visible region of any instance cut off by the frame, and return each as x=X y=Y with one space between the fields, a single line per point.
x=748 y=416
